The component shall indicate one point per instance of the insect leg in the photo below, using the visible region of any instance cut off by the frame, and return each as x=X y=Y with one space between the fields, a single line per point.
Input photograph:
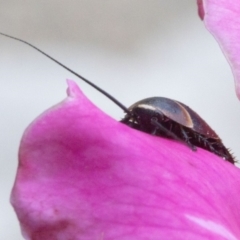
x=158 y=125
x=214 y=147
x=187 y=139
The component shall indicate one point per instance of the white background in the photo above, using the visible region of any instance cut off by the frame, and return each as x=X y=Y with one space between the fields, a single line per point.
x=131 y=48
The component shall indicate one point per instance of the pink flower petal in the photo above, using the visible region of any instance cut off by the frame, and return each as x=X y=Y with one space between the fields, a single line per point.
x=83 y=175
x=200 y=9
x=221 y=18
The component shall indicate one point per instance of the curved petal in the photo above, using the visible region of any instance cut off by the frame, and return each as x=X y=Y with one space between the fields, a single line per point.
x=221 y=18
x=83 y=175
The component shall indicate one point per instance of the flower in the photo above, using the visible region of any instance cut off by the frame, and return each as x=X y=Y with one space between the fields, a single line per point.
x=221 y=18
x=83 y=175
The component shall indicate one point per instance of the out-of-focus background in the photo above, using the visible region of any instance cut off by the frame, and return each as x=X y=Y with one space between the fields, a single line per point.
x=131 y=48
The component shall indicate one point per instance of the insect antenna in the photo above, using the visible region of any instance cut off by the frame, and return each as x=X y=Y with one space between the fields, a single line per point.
x=71 y=71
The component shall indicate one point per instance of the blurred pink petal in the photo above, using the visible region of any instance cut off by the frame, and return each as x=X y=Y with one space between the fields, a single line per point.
x=200 y=9
x=222 y=19
x=83 y=175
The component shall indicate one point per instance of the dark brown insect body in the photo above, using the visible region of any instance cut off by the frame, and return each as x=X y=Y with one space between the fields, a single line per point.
x=169 y=118
x=162 y=117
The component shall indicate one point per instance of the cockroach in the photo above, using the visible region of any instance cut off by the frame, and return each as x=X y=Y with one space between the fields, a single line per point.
x=162 y=117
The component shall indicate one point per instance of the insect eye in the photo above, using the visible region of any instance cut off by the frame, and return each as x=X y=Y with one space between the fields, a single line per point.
x=158 y=116
x=154 y=119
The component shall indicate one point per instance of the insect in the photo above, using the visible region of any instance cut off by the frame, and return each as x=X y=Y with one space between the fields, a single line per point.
x=162 y=117
x=172 y=119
